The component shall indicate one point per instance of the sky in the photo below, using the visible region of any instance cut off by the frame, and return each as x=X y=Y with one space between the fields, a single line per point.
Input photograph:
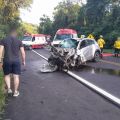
x=38 y=8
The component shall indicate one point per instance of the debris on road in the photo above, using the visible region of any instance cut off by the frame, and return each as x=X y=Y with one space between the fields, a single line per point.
x=47 y=68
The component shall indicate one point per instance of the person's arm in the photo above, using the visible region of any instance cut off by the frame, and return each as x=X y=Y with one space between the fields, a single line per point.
x=23 y=55
x=103 y=41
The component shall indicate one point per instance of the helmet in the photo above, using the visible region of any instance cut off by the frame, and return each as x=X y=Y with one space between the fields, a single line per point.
x=118 y=38
x=101 y=36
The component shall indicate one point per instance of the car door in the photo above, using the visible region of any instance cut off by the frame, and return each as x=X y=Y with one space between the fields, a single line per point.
x=91 y=47
x=83 y=50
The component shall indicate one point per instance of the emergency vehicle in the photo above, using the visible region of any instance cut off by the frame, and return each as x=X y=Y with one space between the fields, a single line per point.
x=63 y=34
x=31 y=41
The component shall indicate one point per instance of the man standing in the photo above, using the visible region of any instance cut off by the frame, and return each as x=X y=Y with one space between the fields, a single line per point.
x=11 y=60
x=101 y=43
x=117 y=47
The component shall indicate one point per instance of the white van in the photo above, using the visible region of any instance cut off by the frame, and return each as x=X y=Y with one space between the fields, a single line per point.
x=34 y=41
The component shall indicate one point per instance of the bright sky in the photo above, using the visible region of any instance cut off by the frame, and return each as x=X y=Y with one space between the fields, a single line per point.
x=38 y=8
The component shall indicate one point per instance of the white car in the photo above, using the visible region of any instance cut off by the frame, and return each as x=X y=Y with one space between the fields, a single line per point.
x=74 y=52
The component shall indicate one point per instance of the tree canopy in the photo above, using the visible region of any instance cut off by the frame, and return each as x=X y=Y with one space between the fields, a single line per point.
x=9 y=14
x=99 y=17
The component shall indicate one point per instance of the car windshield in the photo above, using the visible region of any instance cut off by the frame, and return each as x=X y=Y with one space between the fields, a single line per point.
x=69 y=43
x=27 y=38
x=62 y=37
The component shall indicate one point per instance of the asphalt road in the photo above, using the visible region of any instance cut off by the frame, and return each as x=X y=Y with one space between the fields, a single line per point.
x=57 y=96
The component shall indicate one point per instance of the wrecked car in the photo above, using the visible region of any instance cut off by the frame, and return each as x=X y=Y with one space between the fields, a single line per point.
x=74 y=52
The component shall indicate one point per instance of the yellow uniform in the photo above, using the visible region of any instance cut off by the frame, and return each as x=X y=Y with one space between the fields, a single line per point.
x=117 y=44
x=90 y=36
x=117 y=47
x=101 y=42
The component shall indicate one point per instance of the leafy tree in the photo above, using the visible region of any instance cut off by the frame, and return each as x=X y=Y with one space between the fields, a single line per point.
x=66 y=15
x=96 y=16
x=45 y=26
x=9 y=14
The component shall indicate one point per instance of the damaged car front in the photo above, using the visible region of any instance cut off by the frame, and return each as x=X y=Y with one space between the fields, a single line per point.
x=65 y=55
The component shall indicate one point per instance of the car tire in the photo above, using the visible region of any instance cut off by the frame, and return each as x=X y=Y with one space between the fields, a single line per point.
x=96 y=57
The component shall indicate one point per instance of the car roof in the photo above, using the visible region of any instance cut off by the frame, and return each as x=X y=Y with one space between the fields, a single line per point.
x=82 y=39
x=66 y=31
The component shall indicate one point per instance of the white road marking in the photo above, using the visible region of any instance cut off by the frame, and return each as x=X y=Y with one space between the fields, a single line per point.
x=97 y=89
x=40 y=55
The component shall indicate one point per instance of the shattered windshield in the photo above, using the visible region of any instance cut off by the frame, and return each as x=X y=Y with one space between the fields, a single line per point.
x=62 y=37
x=27 y=38
x=69 y=43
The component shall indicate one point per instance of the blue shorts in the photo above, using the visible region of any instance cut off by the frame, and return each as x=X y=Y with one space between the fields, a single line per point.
x=12 y=68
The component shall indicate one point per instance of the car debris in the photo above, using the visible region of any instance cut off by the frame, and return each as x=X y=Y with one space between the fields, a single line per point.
x=47 y=68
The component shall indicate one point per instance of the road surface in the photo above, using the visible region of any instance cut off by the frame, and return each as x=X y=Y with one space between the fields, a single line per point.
x=57 y=96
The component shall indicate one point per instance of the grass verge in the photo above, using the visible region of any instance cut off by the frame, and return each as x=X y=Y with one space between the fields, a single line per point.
x=108 y=50
x=2 y=95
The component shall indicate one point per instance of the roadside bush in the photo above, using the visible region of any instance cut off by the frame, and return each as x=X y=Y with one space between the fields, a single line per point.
x=2 y=96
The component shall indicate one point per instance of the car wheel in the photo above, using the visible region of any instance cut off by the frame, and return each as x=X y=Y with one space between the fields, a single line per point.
x=96 y=57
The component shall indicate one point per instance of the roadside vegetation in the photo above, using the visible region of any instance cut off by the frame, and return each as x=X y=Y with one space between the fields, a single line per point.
x=10 y=17
x=2 y=96
x=99 y=17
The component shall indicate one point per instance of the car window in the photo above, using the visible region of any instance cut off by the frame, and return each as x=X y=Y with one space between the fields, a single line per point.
x=27 y=38
x=83 y=44
x=90 y=42
x=69 y=43
x=62 y=36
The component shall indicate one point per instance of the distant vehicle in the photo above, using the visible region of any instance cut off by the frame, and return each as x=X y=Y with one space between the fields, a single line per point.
x=63 y=34
x=31 y=41
x=74 y=52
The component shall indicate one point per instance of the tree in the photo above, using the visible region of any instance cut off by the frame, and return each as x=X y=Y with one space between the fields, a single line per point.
x=96 y=16
x=66 y=15
x=45 y=26
x=9 y=14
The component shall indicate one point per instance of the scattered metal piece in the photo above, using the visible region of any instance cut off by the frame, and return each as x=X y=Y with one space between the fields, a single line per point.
x=47 y=68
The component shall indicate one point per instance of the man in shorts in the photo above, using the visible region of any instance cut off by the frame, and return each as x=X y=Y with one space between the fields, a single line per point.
x=12 y=47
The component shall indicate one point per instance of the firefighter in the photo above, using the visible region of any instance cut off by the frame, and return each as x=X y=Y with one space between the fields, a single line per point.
x=101 y=43
x=117 y=47
x=91 y=36
x=82 y=36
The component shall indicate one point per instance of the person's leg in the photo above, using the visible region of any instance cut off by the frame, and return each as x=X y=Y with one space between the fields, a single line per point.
x=7 y=77
x=8 y=83
x=16 y=82
x=101 y=52
x=117 y=52
x=16 y=73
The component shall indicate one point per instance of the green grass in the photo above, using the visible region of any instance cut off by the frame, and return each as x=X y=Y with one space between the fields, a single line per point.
x=108 y=50
x=2 y=95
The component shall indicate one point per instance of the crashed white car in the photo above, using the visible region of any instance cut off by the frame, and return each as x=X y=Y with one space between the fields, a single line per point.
x=74 y=52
